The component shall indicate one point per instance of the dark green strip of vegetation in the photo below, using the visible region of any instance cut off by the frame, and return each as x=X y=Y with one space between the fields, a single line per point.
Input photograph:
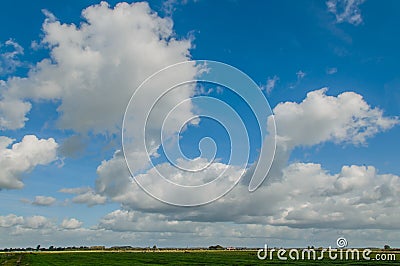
x=163 y=258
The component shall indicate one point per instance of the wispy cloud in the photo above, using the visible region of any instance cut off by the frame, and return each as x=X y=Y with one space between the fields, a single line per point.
x=9 y=53
x=43 y=201
x=169 y=6
x=300 y=74
x=85 y=195
x=346 y=10
x=271 y=83
x=331 y=70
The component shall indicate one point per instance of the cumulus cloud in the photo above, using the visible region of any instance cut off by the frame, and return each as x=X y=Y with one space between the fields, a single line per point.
x=117 y=228
x=114 y=181
x=70 y=224
x=10 y=220
x=308 y=202
x=356 y=196
x=345 y=118
x=136 y=221
x=90 y=198
x=44 y=201
x=92 y=70
x=85 y=196
x=346 y=10
x=36 y=222
x=119 y=220
x=23 y=157
x=306 y=196
x=12 y=112
x=252 y=218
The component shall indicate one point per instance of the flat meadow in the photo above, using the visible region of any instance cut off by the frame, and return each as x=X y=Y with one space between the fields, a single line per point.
x=204 y=257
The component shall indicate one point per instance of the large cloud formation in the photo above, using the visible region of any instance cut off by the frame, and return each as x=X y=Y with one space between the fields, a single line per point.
x=93 y=70
x=302 y=195
x=94 y=67
x=319 y=118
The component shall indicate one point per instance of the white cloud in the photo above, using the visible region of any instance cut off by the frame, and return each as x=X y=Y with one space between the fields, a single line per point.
x=10 y=220
x=114 y=181
x=271 y=82
x=44 y=201
x=359 y=195
x=92 y=70
x=316 y=199
x=90 y=198
x=119 y=220
x=85 y=196
x=23 y=157
x=306 y=204
x=252 y=218
x=343 y=118
x=71 y=224
x=306 y=196
x=37 y=222
x=9 y=53
x=346 y=10
x=12 y=112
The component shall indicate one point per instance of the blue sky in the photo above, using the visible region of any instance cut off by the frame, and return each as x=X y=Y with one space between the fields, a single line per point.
x=64 y=90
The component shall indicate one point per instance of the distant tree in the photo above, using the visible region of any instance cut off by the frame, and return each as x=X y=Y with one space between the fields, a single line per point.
x=154 y=247
x=217 y=247
x=37 y=247
x=386 y=247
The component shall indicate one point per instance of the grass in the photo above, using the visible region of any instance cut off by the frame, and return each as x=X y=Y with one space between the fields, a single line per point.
x=162 y=258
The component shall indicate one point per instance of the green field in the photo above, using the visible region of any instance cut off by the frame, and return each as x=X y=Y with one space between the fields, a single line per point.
x=162 y=258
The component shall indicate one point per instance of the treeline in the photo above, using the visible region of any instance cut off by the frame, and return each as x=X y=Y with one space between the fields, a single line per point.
x=51 y=248
x=116 y=248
